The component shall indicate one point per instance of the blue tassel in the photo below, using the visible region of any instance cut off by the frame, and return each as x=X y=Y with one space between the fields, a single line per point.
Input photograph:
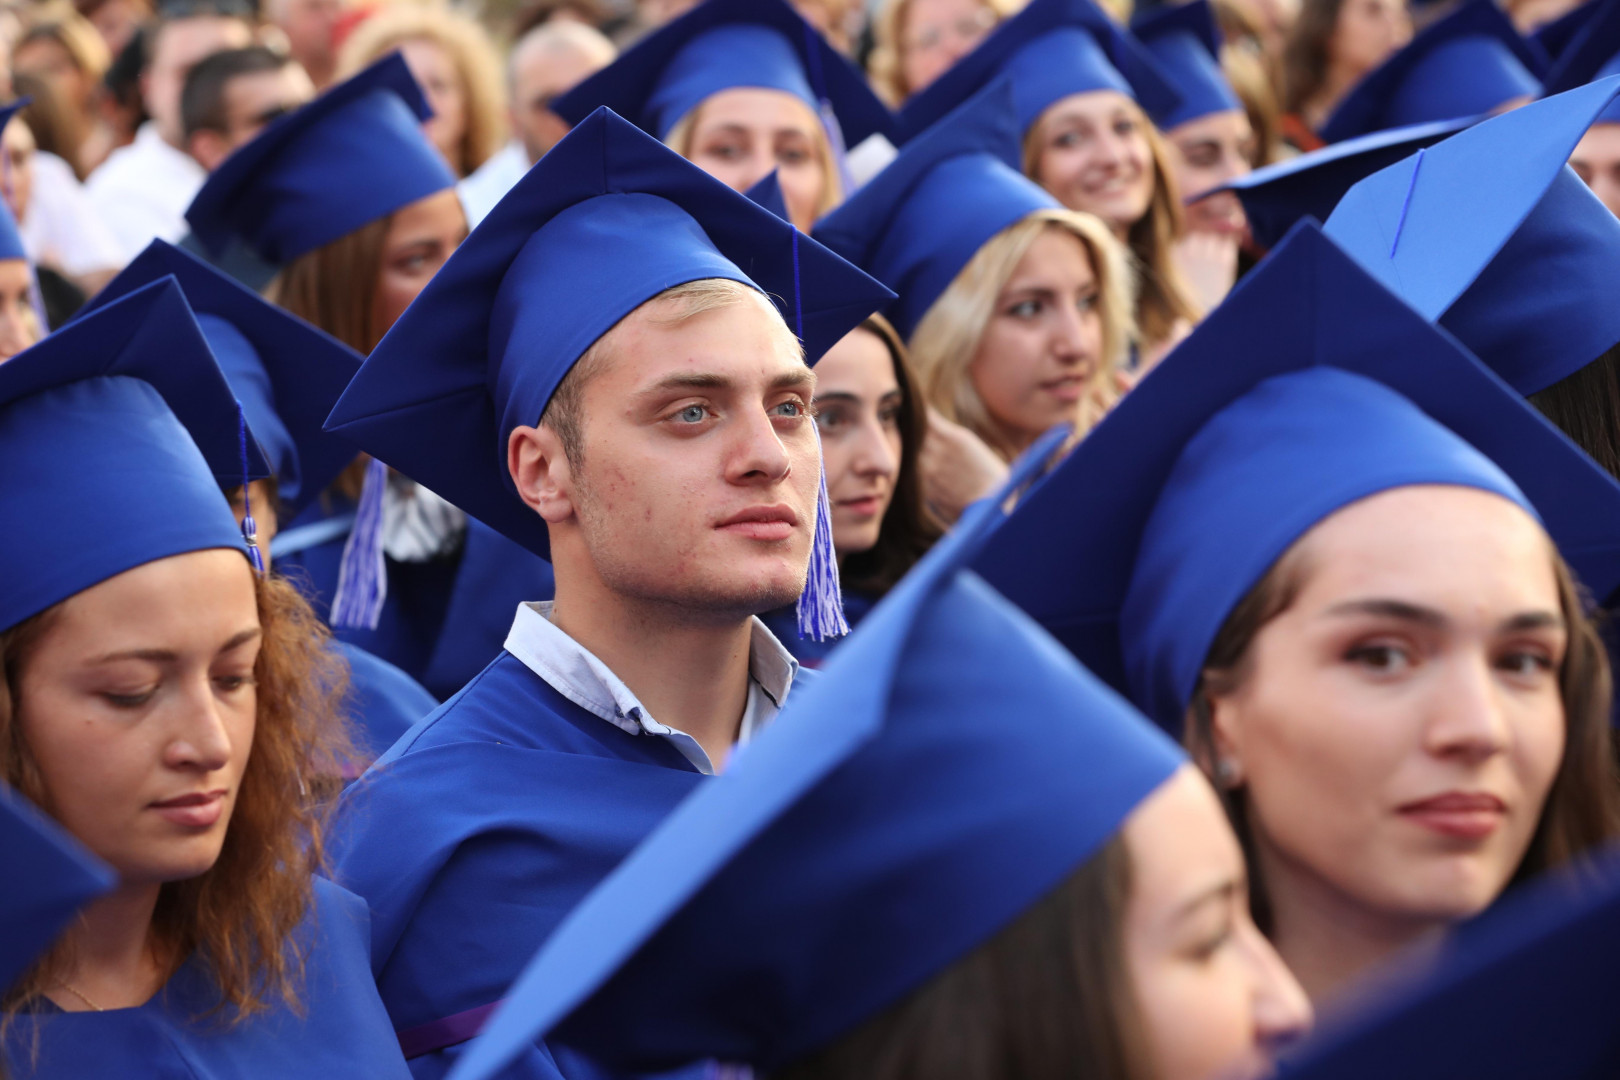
x=363 y=575
x=250 y=528
x=821 y=605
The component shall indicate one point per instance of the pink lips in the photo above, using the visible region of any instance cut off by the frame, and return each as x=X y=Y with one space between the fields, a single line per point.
x=199 y=810
x=763 y=522
x=864 y=507
x=1461 y=814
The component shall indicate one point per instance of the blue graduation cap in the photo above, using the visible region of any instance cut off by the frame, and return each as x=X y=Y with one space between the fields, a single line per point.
x=286 y=373
x=919 y=221
x=1279 y=196
x=768 y=193
x=722 y=45
x=11 y=243
x=1592 y=54
x=118 y=432
x=1048 y=51
x=877 y=832
x=1527 y=989
x=1555 y=37
x=606 y=221
x=351 y=156
x=1490 y=234
x=48 y=877
x=1469 y=63
x=1309 y=388
x=1185 y=41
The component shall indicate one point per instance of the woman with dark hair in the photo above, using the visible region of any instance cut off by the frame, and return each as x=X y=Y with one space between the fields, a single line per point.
x=358 y=210
x=872 y=423
x=1349 y=579
x=1333 y=44
x=927 y=894
x=176 y=711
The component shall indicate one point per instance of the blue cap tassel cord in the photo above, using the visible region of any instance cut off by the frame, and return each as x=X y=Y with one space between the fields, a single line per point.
x=363 y=574
x=821 y=604
x=250 y=528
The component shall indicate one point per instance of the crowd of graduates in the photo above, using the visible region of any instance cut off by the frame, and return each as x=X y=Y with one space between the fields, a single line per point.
x=809 y=539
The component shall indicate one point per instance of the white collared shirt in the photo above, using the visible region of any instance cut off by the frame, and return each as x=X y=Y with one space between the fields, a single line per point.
x=580 y=677
x=142 y=190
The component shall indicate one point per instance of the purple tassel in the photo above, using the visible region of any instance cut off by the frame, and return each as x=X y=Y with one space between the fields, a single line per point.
x=821 y=605
x=250 y=528
x=363 y=575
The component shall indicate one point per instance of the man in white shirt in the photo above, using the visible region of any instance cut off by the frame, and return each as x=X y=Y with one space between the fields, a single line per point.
x=606 y=385
x=546 y=62
x=142 y=190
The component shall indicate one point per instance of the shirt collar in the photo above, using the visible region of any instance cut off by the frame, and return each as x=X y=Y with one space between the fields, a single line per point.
x=578 y=675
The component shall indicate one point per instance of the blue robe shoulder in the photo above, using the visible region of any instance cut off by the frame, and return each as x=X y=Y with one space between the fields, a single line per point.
x=341 y=1029
x=473 y=837
x=383 y=702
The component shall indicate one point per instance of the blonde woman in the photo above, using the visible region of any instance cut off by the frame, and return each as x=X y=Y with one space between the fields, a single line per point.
x=917 y=41
x=1016 y=310
x=457 y=67
x=1084 y=92
x=742 y=88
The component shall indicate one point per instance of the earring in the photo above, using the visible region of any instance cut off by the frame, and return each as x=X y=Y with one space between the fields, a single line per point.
x=1226 y=773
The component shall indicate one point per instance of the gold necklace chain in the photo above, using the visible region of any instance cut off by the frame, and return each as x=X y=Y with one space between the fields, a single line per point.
x=70 y=989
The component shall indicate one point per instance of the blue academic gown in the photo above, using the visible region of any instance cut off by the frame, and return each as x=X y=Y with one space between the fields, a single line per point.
x=473 y=837
x=343 y=1031
x=383 y=702
x=441 y=621
x=784 y=623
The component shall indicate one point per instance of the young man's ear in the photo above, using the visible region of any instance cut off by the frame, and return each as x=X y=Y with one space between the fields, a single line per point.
x=540 y=469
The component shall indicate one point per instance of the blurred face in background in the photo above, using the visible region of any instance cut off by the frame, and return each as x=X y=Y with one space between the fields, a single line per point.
x=1206 y=153
x=934 y=34
x=1597 y=160
x=546 y=63
x=1366 y=33
x=179 y=44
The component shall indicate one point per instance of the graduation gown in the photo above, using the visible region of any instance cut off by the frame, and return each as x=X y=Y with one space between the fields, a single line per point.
x=343 y=1031
x=383 y=702
x=441 y=621
x=784 y=623
x=474 y=836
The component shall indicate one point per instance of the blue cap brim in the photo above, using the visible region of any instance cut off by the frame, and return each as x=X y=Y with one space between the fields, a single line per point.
x=1280 y=196
x=49 y=876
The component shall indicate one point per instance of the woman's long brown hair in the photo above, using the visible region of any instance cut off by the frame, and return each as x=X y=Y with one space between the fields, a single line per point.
x=237 y=918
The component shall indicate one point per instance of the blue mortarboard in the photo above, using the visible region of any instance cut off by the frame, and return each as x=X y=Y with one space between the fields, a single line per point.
x=877 y=832
x=351 y=156
x=1491 y=235
x=921 y=219
x=1186 y=42
x=118 y=432
x=11 y=243
x=48 y=877
x=1280 y=196
x=607 y=220
x=1310 y=387
x=1469 y=63
x=1556 y=37
x=1593 y=53
x=723 y=45
x=286 y=373
x=1048 y=51
x=768 y=193
x=1526 y=990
